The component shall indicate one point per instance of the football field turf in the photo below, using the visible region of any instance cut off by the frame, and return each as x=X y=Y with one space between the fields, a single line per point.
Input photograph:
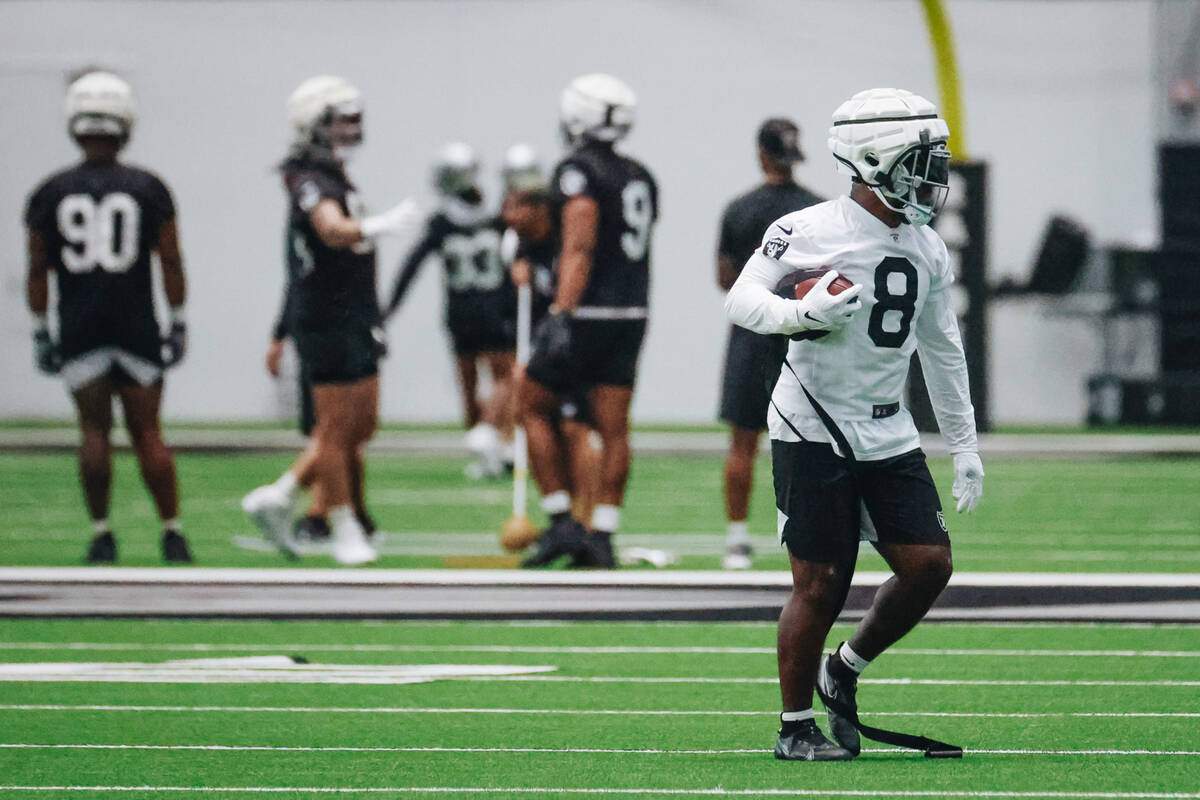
x=625 y=709
x=1063 y=515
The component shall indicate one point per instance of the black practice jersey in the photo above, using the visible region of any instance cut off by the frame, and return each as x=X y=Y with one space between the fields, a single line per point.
x=749 y=215
x=627 y=197
x=100 y=222
x=541 y=256
x=332 y=288
x=467 y=241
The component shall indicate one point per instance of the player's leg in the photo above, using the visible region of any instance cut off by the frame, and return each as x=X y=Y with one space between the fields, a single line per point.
x=738 y=484
x=468 y=385
x=817 y=502
x=368 y=423
x=141 y=405
x=338 y=435
x=502 y=406
x=93 y=405
x=538 y=412
x=584 y=465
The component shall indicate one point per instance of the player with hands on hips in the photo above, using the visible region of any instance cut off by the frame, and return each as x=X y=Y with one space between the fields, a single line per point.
x=846 y=454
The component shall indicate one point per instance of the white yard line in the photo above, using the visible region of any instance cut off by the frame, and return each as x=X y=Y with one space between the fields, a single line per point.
x=576 y=750
x=214 y=647
x=643 y=792
x=633 y=712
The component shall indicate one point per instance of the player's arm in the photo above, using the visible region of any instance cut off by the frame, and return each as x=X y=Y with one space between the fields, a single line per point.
x=580 y=222
x=753 y=304
x=37 y=294
x=727 y=262
x=412 y=265
x=340 y=230
x=944 y=366
x=175 y=287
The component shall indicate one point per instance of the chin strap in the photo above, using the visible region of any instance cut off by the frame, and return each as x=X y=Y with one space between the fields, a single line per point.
x=931 y=747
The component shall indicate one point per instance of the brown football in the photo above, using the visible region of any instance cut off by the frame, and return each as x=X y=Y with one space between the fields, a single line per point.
x=799 y=282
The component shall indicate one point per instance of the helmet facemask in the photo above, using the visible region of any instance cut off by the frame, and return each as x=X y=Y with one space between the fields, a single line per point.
x=339 y=132
x=918 y=181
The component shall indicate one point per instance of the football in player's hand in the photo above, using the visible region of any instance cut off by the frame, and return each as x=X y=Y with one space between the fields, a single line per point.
x=797 y=283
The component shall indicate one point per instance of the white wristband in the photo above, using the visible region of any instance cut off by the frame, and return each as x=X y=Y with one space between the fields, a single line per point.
x=177 y=316
x=40 y=323
x=372 y=226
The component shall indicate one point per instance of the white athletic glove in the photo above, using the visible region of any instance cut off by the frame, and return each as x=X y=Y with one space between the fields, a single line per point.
x=821 y=311
x=968 y=481
x=396 y=221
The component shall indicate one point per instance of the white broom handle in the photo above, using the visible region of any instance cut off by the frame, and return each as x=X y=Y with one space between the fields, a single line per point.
x=520 y=452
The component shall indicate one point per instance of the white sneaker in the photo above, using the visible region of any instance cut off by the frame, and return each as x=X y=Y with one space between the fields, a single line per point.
x=351 y=546
x=737 y=557
x=271 y=511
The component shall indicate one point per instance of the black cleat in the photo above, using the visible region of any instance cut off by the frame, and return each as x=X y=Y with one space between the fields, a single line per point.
x=564 y=537
x=103 y=549
x=311 y=528
x=175 y=548
x=837 y=682
x=595 y=552
x=805 y=742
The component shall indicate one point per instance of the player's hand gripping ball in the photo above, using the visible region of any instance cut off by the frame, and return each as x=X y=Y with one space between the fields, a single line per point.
x=797 y=284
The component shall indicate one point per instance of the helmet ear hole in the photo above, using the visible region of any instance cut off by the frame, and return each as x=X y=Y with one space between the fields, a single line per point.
x=871 y=159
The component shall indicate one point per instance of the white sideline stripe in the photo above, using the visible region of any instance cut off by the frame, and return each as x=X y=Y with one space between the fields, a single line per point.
x=207 y=647
x=718 y=792
x=235 y=748
x=497 y=577
x=880 y=681
x=633 y=712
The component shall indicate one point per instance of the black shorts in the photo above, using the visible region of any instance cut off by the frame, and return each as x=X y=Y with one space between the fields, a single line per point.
x=337 y=355
x=481 y=327
x=604 y=352
x=752 y=363
x=822 y=496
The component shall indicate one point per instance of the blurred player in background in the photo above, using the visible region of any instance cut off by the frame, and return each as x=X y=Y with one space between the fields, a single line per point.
x=481 y=304
x=846 y=454
x=96 y=226
x=334 y=317
x=530 y=247
x=604 y=206
x=748 y=378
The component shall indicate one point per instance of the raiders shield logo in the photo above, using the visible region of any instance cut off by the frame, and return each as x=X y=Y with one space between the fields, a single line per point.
x=775 y=248
x=941 y=521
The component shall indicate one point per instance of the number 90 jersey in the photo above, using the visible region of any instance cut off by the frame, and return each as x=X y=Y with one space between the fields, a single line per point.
x=627 y=198
x=857 y=375
x=100 y=222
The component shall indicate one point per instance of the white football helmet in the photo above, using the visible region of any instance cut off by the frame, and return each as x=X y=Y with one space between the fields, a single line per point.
x=598 y=107
x=456 y=169
x=895 y=143
x=521 y=170
x=100 y=104
x=313 y=106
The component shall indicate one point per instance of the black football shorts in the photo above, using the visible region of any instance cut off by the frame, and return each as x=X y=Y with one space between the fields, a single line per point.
x=338 y=355
x=604 y=352
x=485 y=325
x=752 y=363
x=827 y=503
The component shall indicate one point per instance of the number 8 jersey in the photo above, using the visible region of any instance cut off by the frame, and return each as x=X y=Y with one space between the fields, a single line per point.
x=855 y=377
x=627 y=197
x=100 y=222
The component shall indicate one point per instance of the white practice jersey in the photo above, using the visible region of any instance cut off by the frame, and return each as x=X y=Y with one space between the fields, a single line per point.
x=857 y=374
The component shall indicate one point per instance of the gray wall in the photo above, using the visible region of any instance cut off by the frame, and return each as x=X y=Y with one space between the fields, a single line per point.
x=1058 y=97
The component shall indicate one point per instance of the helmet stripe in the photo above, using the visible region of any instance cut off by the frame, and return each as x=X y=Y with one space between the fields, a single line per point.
x=882 y=119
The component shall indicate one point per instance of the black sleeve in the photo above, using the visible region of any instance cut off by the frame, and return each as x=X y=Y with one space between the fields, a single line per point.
x=306 y=188
x=727 y=245
x=158 y=207
x=281 y=329
x=39 y=211
x=430 y=242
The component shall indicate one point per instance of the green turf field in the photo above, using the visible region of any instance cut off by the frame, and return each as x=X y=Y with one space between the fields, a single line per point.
x=638 y=710
x=1077 y=515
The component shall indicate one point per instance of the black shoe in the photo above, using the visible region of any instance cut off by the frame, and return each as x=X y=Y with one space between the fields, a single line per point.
x=103 y=549
x=175 y=548
x=311 y=528
x=805 y=742
x=564 y=537
x=368 y=525
x=837 y=682
x=596 y=552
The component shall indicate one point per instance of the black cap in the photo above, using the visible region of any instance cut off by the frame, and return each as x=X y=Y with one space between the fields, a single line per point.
x=779 y=139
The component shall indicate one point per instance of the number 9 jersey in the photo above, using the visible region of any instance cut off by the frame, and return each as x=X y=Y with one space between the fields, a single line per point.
x=850 y=383
x=100 y=222
x=627 y=198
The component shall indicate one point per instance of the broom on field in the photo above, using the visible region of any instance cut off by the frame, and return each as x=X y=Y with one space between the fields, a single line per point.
x=518 y=532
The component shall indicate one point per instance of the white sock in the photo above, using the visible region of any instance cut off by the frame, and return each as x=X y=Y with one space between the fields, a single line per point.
x=100 y=525
x=172 y=524
x=796 y=716
x=342 y=518
x=556 y=502
x=287 y=484
x=852 y=659
x=606 y=518
x=737 y=533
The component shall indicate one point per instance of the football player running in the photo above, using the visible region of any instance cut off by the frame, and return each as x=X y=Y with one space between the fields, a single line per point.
x=530 y=247
x=481 y=302
x=335 y=318
x=751 y=367
x=95 y=226
x=605 y=206
x=845 y=451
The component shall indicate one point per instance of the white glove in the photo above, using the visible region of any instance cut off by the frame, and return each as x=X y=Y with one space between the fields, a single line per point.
x=821 y=311
x=968 y=481
x=396 y=221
